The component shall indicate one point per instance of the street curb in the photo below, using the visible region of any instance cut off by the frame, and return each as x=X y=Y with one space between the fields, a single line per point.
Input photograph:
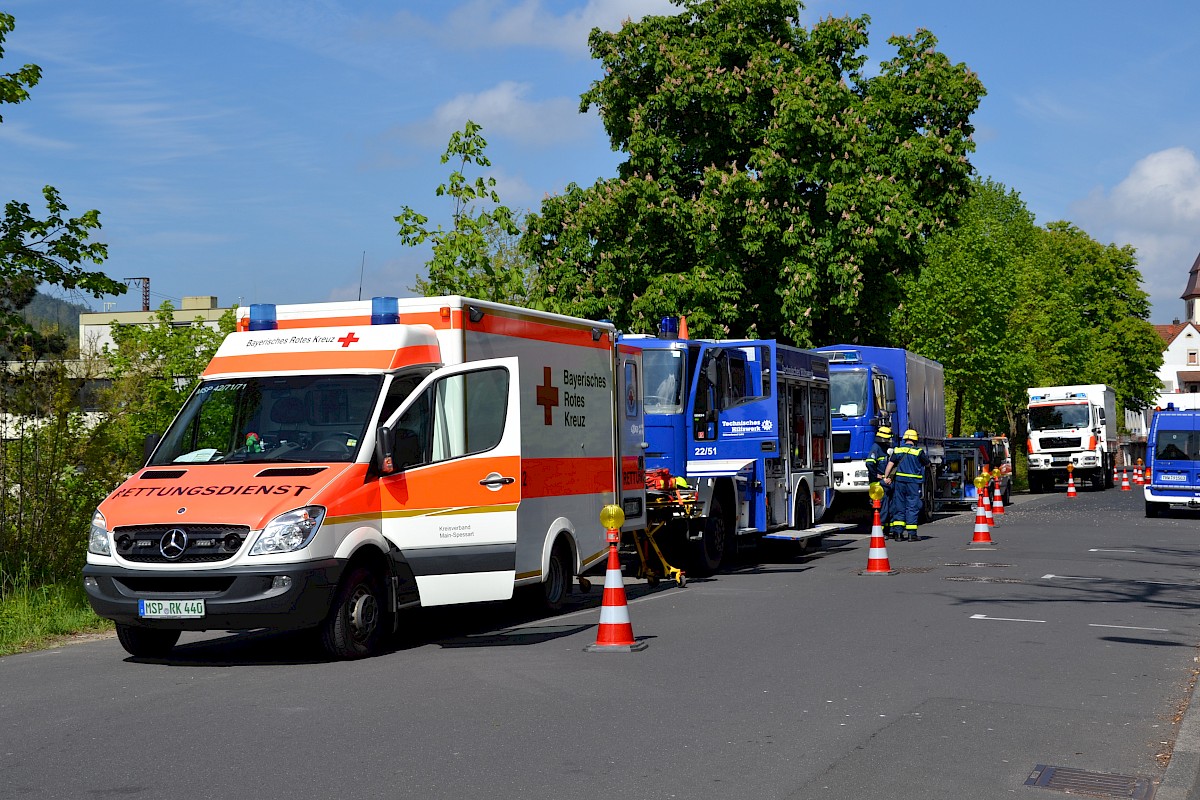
x=1182 y=778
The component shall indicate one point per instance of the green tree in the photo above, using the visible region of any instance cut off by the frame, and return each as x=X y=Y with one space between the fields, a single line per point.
x=36 y=251
x=959 y=309
x=153 y=369
x=477 y=256
x=771 y=187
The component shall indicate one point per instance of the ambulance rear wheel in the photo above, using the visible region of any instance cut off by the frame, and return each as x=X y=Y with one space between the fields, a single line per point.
x=355 y=627
x=559 y=575
x=146 y=642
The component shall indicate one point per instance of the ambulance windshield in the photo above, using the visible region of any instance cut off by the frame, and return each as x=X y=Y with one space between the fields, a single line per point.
x=291 y=419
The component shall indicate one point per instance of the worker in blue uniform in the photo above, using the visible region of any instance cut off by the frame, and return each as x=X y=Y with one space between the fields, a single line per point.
x=906 y=470
x=876 y=463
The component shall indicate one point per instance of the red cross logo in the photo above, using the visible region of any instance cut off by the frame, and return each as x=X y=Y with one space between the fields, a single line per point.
x=547 y=396
x=348 y=339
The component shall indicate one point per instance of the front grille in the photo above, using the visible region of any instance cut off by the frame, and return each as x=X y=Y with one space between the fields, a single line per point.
x=204 y=543
x=165 y=586
x=1057 y=442
x=841 y=443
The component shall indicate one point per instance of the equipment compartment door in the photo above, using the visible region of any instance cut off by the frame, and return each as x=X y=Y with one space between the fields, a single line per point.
x=452 y=506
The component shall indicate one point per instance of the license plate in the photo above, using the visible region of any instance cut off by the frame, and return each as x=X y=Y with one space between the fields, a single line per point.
x=1169 y=477
x=170 y=609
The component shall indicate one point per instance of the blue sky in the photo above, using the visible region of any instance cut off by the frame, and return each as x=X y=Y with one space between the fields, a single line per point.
x=256 y=149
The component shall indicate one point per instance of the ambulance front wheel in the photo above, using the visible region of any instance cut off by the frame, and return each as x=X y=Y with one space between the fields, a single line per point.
x=355 y=626
x=146 y=642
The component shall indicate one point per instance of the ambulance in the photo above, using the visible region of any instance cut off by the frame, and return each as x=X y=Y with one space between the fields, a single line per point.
x=340 y=462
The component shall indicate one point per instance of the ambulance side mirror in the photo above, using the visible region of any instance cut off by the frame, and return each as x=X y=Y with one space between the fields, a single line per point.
x=151 y=441
x=385 y=443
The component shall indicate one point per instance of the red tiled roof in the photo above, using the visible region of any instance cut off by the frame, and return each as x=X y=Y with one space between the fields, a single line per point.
x=1189 y=377
x=1169 y=332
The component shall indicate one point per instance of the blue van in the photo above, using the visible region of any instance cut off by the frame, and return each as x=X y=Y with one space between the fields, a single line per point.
x=1173 y=460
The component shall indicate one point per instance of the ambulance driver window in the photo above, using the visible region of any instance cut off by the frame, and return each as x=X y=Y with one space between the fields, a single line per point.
x=469 y=411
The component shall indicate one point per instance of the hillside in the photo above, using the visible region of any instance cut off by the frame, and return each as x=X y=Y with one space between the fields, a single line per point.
x=51 y=312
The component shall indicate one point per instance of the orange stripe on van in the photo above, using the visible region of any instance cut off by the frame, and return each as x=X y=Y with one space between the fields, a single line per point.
x=433 y=319
x=554 y=477
x=325 y=359
x=502 y=324
x=450 y=485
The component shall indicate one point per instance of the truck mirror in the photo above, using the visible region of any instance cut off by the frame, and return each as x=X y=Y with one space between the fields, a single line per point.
x=384 y=445
x=148 y=445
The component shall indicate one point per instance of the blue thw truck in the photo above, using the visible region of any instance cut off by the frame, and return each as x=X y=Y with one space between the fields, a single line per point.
x=746 y=425
x=874 y=386
x=1173 y=461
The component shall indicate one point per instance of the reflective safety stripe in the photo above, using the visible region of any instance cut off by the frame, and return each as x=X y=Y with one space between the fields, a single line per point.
x=908 y=475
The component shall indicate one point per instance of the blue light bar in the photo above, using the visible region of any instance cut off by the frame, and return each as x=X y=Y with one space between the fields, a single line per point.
x=262 y=317
x=668 y=328
x=385 y=311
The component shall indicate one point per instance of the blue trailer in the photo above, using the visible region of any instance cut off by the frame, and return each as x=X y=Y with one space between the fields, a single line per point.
x=746 y=424
x=874 y=386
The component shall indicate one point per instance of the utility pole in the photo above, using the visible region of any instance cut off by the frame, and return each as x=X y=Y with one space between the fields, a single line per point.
x=145 y=283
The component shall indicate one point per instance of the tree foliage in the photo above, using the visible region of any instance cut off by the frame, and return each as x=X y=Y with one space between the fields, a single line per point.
x=35 y=251
x=477 y=256
x=772 y=187
x=1006 y=305
x=153 y=369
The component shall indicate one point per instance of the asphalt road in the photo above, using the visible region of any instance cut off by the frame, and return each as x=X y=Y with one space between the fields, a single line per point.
x=1072 y=644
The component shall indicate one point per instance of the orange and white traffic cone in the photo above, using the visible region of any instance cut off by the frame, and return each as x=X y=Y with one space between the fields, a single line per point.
x=1114 y=473
x=877 y=557
x=615 y=634
x=1125 y=487
x=1071 y=485
x=983 y=536
x=1137 y=475
x=986 y=501
x=997 y=501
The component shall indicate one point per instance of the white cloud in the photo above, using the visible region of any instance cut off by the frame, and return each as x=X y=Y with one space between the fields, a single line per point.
x=528 y=23
x=506 y=110
x=1155 y=208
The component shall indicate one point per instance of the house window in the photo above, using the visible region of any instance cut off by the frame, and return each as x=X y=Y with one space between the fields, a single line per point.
x=1193 y=357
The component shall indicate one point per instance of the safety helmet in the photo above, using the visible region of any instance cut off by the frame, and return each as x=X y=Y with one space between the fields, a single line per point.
x=910 y=435
x=884 y=432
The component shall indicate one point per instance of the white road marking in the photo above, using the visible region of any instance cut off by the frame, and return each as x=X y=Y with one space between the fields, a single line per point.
x=1070 y=578
x=1128 y=627
x=1003 y=619
x=1102 y=550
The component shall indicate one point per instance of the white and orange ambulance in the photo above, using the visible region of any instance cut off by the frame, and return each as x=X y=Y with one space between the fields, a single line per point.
x=339 y=462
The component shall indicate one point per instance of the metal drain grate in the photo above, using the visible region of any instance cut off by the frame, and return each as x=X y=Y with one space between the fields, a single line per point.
x=975 y=564
x=982 y=579
x=906 y=570
x=1092 y=784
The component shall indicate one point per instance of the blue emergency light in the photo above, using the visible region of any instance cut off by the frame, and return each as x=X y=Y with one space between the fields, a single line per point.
x=668 y=328
x=262 y=317
x=385 y=311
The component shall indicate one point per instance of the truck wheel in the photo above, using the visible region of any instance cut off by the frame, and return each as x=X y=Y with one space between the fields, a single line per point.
x=925 y=514
x=709 y=550
x=1152 y=510
x=1098 y=481
x=146 y=642
x=355 y=627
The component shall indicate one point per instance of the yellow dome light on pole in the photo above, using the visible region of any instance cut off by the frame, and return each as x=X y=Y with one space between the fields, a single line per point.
x=875 y=493
x=612 y=517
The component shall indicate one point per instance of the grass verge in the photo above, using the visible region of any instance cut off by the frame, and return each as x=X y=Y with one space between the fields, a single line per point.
x=32 y=618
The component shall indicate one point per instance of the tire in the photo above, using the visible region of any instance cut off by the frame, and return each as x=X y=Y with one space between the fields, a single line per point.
x=925 y=515
x=355 y=626
x=1098 y=481
x=712 y=548
x=556 y=587
x=146 y=642
x=1007 y=496
x=1152 y=510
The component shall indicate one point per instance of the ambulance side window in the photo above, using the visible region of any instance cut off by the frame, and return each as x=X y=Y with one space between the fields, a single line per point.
x=468 y=413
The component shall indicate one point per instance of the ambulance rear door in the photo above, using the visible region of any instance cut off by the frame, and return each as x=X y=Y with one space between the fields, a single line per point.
x=451 y=505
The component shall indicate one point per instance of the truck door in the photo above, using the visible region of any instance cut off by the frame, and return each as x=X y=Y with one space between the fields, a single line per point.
x=451 y=505
x=735 y=414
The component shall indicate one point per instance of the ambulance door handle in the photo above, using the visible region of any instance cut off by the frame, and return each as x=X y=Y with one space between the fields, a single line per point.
x=495 y=480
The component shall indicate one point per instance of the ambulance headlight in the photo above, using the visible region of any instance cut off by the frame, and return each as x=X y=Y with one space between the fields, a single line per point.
x=289 y=532
x=98 y=536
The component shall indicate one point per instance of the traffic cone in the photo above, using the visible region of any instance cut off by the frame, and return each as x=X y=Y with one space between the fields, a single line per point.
x=615 y=634
x=1114 y=473
x=1137 y=475
x=986 y=501
x=997 y=502
x=877 y=557
x=983 y=536
x=1125 y=487
x=1071 y=485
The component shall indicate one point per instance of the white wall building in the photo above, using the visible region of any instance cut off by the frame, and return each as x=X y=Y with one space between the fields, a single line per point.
x=95 y=327
x=1180 y=372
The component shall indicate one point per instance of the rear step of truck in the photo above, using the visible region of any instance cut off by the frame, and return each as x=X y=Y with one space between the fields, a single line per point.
x=815 y=530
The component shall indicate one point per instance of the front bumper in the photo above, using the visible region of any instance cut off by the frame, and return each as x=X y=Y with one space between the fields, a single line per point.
x=236 y=598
